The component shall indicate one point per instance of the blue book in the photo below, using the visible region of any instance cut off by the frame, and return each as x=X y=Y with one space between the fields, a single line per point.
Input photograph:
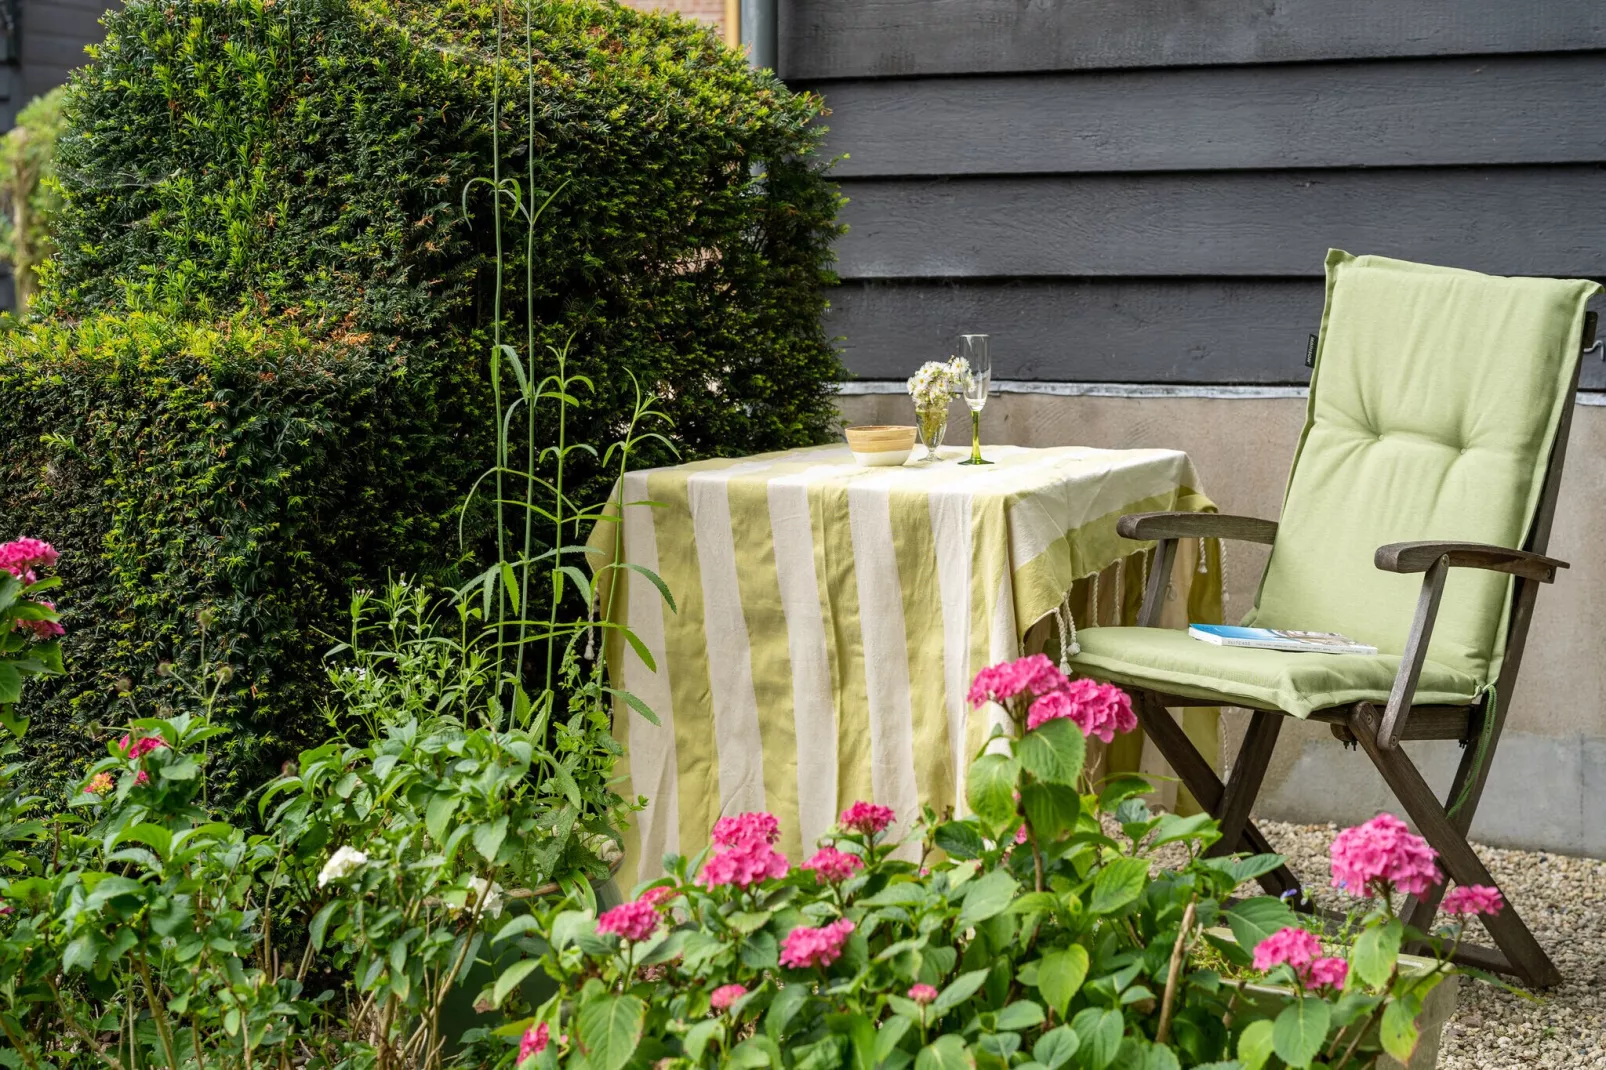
x=1278 y=639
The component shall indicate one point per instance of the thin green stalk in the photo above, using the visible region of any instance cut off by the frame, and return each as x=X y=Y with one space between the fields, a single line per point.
x=496 y=329
x=157 y=1010
x=557 y=577
x=529 y=329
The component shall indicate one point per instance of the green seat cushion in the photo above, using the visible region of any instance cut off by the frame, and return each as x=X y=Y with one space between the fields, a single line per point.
x=1167 y=660
x=1433 y=407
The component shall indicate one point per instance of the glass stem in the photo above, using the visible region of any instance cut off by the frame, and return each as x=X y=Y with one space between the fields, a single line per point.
x=975 y=436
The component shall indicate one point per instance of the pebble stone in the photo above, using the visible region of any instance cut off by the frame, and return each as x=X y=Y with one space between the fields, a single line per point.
x=1563 y=900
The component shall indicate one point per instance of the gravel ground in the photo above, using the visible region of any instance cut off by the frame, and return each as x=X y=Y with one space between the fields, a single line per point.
x=1563 y=900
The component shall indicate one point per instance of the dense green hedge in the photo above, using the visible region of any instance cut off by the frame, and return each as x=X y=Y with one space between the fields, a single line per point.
x=314 y=154
x=246 y=468
x=260 y=375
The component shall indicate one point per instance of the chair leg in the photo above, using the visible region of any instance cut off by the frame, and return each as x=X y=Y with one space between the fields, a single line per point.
x=1196 y=773
x=1248 y=771
x=1461 y=863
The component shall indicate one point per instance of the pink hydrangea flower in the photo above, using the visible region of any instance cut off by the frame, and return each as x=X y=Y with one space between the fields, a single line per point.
x=1327 y=973
x=744 y=865
x=657 y=897
x=922 y=994
x=99 y=784
x=868 y=819
x=42 y=629
x=21 y=556
x=1383 y=851
x=725 y=995
x=832 y=866
x=140 y=747
x=1031 y=676
x=632 y=921
x=534 y=1041
x=1097 y=709
x=756 y=827
x=1474 y=899
x=805 y=947
x=1290 y=946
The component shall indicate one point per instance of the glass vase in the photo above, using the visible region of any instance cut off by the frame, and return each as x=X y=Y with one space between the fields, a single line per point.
x=933 y=425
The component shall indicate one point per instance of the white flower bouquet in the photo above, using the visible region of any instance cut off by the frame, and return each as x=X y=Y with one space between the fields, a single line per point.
x=932 y=388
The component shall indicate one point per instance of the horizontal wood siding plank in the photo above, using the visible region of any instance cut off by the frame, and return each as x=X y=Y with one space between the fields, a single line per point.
x=1145 y=331
x=1493 y=110
x=61 y=18
x=880 y=38
x=1514 y=220
x=1108 y=330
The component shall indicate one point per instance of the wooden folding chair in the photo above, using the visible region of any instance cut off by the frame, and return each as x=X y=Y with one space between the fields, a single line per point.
x=1437 y=427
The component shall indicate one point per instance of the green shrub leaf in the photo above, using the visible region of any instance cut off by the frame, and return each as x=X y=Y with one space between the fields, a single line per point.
x=1377 y=949
x=987 y=896
x=1118 y=884
x=1255 y=919
x=1060 y=975
x=1053 y=751
x=1299 y=1031
x=1398 y=1030
x=944 y=1053
x=610 y=1029
x=990 y=788
x=1255 y=1044
x=1056 y=1047
x=958 y=990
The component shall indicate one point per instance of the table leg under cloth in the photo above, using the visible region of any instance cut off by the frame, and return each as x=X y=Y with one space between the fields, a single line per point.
x=828 y=619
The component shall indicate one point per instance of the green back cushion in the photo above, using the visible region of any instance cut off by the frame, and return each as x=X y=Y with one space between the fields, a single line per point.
x=1434 y=403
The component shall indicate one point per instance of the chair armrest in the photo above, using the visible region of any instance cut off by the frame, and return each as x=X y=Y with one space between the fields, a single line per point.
x=1196 y=526
x=1420 y=556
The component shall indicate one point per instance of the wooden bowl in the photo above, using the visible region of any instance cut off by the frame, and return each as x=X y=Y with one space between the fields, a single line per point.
x=876 y=445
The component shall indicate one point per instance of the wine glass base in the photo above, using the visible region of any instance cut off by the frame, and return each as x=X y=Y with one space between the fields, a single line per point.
x=975 y=462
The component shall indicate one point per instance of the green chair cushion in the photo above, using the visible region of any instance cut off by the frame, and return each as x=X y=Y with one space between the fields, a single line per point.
x=1167 y=660
x=1433 y=406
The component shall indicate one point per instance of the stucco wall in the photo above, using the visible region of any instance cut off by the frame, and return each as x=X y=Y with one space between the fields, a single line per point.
x=1547 y=786
x=708 y=10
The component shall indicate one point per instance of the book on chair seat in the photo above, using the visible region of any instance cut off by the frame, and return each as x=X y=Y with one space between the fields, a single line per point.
x=1279 y=639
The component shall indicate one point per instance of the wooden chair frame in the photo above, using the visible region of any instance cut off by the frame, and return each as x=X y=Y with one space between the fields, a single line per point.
x=1378 y=732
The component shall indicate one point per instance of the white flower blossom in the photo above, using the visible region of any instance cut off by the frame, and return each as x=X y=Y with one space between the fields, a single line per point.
x=487 y=897
x=936 y=382
x=343 y=863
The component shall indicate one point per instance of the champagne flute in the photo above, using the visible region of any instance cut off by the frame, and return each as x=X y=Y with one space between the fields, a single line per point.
x=973 y=348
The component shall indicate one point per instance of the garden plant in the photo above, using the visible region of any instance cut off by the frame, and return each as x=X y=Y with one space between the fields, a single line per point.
x=1046 y=930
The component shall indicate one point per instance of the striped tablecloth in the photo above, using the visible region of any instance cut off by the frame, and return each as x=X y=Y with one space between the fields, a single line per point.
x=829 y=618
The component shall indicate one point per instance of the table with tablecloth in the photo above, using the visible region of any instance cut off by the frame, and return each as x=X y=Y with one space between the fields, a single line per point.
x=828 y=618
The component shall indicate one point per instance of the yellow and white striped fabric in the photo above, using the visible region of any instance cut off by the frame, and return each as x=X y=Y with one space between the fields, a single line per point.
x=830 y=618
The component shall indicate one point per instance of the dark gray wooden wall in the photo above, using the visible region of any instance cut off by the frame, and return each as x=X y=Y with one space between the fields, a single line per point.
x=47 y=41
x=54 y=33
x=1143 y=190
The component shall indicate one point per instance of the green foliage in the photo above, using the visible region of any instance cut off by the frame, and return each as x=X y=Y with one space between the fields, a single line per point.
x=322 y=155
x=385 y=871
x=251 y=470
x=264 y=368
x=1094 y=943
x=29 y=197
